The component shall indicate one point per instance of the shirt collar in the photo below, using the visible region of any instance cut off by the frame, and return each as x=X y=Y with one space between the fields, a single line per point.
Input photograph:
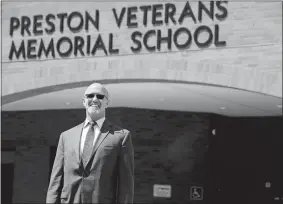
x=98 y=122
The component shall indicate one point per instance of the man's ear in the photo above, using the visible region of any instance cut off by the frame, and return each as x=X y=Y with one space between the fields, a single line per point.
x=83 y=99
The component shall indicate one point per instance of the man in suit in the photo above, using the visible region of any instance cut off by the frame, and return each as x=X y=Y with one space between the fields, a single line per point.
x=94 y=161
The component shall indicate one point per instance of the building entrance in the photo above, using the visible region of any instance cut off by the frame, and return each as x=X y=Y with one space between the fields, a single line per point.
x=245 y=160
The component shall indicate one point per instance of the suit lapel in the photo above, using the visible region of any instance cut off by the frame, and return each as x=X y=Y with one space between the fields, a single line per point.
x=104 y=132
x=77 y=139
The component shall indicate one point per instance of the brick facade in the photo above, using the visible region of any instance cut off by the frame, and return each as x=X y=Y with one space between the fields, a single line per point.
x=170 y=148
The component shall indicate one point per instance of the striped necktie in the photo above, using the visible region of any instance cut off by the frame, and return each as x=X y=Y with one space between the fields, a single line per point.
x=88 y=145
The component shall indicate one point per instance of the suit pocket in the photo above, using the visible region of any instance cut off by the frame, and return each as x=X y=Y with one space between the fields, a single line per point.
x=106 y=150
x=108 y=147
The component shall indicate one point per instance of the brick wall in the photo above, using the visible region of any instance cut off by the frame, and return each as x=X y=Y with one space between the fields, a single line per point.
x=170 y=148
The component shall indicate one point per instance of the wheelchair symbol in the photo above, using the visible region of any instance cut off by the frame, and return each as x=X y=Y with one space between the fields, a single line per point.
x=196 y=193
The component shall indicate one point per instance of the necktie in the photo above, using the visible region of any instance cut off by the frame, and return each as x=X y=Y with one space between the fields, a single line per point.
x=88 y=145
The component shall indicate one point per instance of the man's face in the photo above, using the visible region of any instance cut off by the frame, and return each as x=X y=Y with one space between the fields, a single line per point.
x=95 y=100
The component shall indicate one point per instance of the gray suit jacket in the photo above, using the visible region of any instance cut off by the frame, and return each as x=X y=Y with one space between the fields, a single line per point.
x=107 y=178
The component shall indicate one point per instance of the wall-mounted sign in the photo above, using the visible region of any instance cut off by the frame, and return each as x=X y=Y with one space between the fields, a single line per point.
x=162 y=191
x=196 y=193
x=152 y=27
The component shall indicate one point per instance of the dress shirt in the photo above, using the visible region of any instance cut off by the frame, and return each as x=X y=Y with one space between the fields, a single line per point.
x=97 y=129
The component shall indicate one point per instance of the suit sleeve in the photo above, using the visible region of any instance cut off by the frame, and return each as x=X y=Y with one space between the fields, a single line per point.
x=56 y=178
x=126 y=171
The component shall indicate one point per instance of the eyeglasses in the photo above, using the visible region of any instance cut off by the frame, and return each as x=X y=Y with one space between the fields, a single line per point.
x=98 y=96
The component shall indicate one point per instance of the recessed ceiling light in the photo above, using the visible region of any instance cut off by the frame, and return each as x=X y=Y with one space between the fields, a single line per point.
x=162 y=99
x=279 y=106
x=68 y=103
x=222 y=108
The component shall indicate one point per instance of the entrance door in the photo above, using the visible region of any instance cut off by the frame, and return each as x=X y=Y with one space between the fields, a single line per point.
x=244 y=158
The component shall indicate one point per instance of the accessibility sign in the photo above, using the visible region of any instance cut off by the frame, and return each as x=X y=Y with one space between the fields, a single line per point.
x=196 y=193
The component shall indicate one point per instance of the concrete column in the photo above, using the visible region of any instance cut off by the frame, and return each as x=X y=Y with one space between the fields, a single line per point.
x=31 y=174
